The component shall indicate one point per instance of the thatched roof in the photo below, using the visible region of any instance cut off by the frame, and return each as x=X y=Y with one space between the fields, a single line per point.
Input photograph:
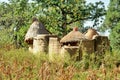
x=35 y=29
x=72 y=36
x=90 y=33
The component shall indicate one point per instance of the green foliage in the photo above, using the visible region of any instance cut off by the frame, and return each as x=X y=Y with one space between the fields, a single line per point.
x=20 y=36
x=58 y=16
x=112 y=17
x=61 y=14
x=112 y=22
x=6 y=37
x=115 y=37
x=15 y=15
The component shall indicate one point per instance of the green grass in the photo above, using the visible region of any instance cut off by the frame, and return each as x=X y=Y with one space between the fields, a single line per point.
x=19 y=64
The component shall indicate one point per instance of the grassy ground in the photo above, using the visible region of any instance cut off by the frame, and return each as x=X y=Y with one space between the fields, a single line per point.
x=19 y=64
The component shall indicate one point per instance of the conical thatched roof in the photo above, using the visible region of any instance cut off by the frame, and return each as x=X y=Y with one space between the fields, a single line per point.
x=72 y=36
x=35 y=29
x=90 y=33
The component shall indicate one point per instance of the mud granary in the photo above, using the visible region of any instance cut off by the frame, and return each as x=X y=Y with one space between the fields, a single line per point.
x=40 y=41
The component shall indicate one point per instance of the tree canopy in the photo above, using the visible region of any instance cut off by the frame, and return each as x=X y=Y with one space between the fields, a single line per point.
x=57 y=15
x=61 y=14
x=112 y=22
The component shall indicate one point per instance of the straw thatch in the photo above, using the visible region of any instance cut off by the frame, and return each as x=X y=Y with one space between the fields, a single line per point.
x=73 y=36
x=90 y=33
x=35 y=29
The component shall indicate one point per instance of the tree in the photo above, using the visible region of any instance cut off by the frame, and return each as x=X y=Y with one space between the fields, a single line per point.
x=115 y=37
x=112 y=22
x=60 y=14
x=15 y=16
x=57 y=15
x=112 y=17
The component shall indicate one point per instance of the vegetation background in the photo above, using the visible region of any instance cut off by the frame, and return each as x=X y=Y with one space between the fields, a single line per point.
x=58 y=17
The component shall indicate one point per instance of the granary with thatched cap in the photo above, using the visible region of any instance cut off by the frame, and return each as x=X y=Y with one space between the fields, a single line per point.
x=72 y=38
x=70 y=43
x=35 y=29
x=91 y=33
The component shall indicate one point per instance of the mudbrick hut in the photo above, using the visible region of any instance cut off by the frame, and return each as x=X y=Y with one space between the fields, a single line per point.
x=91 y=42
x=88 y=44
x=100 y=43
x=70 y=42
x=36 y=36
x=40 y=40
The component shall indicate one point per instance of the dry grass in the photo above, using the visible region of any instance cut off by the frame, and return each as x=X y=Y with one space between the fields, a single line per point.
x=19 y=64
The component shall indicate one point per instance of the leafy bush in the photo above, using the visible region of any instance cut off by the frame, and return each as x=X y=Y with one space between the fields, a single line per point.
x=115 y=37
x=6 y=37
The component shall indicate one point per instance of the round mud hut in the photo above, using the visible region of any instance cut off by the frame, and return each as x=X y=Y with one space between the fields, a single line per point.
x=70 y=42
x=36 y=28
x=91 y=33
